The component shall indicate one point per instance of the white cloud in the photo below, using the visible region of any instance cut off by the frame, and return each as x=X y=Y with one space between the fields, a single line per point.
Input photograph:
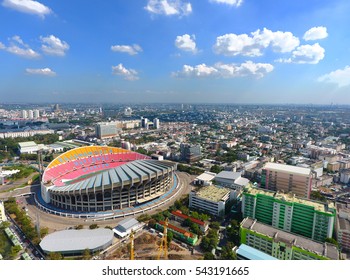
x=306 y=54
x=169 y=7
x=221 y=70
x=186 y=43
x=236 y=3
x=42 y=72
x=131 y=50
x=341 y=77
x=316 y=33
x=53 y=46
x=254 y=45
x=27 y=6
x=127 y=74
x=18 y=47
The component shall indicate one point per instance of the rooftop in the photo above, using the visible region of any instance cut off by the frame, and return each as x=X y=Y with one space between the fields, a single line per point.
x=76 y=240
x=343 y=217
x=287 y=168
x=27 y=144
x=319 y=206
x=228 y=175
x=212 y=193
x=206 y=176
x=324 y=249
x=252 y=253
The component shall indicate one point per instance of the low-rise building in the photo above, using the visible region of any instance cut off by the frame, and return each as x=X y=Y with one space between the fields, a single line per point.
x=210 y=199
x=284 y=245
x=29 y=147
x=125 y=227
x=204 y=179
x=180 y=217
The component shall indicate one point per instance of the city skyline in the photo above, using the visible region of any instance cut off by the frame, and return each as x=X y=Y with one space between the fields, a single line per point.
x=177 y=51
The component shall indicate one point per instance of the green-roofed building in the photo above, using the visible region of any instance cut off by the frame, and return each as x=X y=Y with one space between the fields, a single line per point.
x=308 y=218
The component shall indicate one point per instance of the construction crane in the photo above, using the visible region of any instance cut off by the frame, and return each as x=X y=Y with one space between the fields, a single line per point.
x=132 y=253
x=163 y=247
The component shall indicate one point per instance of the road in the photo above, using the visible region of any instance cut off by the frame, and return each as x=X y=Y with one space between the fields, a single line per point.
x=54 y=222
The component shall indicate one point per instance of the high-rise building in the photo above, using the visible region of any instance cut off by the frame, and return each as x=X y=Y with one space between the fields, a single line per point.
x=36 y=114
x=287 y=178
x=284 y=245
x=24 y=114
x=106 y=130
x=30 y=114
x=190 y=153
x=144 y=122
x=308 y=218
x=156 y=124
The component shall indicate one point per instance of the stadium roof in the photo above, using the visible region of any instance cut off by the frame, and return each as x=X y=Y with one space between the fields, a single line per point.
x=135 y=170
x=76 y=240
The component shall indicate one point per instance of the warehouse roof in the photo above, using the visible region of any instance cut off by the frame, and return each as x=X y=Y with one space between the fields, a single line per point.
x=76 y=240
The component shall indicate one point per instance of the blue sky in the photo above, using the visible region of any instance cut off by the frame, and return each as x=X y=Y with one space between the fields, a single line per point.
x=222 y=51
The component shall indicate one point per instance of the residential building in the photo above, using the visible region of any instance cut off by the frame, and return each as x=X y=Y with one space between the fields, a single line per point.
x=190 y=153
x=343 y=226
x=210 y=199
x=345 y=176
x=106 y=130
x=156 y=123
x=311 y=219
x=287 y=178
x=284 y=245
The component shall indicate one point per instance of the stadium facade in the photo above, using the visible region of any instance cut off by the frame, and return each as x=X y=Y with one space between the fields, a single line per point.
x=99 y=178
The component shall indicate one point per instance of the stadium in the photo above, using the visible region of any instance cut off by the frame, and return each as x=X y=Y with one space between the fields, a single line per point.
x=100 y=178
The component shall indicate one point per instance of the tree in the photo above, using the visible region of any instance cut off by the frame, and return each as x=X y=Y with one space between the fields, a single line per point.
x=170 y=236
x=4 y=225
x=55 y=256
x=86 y=254
x=79 y=227
x=208 y=256
x=43 y=232
x=215 y=225
x=215 y=168
x=93 y=226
